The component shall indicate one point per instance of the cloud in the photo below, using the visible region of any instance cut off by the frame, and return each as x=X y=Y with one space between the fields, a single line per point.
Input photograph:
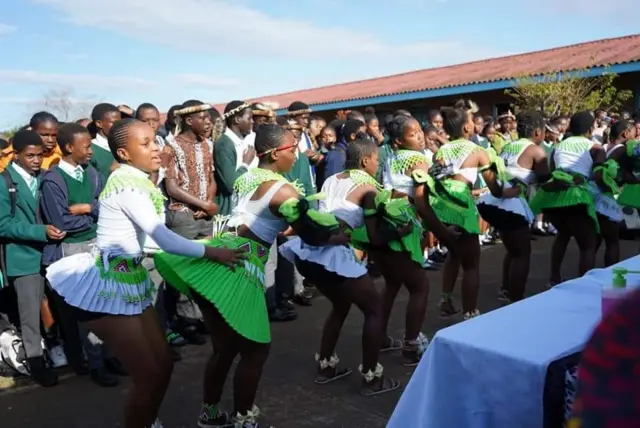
x=16 y=100
x=219 y=26
x=6 y=29
x=102 y=83
x=71 y=80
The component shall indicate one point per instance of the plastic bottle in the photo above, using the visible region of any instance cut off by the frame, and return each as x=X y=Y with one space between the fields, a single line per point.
x=618 y=289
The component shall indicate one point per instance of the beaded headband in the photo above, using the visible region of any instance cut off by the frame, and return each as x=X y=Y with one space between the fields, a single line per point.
x=193 y=109
x=297 y=112
x=265 y=108
x=236 y=110
x=262 y=112
x=506 y=115
x=185 y=111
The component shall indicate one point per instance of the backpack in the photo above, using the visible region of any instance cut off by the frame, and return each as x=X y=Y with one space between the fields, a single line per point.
x=13 y=198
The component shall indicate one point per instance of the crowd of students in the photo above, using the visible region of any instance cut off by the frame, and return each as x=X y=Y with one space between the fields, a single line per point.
x=87 y=207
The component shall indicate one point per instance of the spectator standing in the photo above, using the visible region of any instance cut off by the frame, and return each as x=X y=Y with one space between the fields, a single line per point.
x=21 y=227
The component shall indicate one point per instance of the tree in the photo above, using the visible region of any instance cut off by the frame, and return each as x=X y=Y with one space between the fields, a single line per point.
x=568 y=92
x=62 y=104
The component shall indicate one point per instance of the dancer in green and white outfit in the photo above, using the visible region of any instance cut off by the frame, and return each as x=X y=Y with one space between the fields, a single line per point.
x=232 y=302
x=111 y=290
x=569 y=198
x=400 y=260
x=455 y=170
x=609 y=211
x=525 y=163
x=630 y=195
x=340 y=276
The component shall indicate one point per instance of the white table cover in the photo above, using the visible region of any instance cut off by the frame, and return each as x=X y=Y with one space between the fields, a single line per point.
x=489 y=372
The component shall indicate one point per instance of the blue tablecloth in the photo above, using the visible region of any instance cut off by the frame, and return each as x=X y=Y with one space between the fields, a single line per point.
x=489 y=372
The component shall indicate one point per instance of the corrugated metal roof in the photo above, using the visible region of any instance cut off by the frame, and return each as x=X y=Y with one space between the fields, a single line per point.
x=574 y=57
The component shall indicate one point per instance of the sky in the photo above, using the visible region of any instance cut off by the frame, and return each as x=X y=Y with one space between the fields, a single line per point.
x=82 y=52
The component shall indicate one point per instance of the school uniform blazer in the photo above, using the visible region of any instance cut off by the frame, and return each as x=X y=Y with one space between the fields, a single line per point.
x=226 y=172
x=24 y=234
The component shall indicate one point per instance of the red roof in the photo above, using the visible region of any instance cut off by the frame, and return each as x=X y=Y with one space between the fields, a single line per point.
x=574 y=57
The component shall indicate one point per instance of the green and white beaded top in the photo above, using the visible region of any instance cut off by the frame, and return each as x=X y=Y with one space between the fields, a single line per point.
x=457 y=151
x=403 y=160
x=360 y=177
x=576 y=145
x=250 y=180
x=515 y=148
x=126 y=177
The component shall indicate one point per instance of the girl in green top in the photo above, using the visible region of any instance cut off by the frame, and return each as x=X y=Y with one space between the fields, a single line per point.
x=401 y=259
x=454 y=171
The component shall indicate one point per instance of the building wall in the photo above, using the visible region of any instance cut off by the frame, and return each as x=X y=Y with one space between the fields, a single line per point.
x=487 y=101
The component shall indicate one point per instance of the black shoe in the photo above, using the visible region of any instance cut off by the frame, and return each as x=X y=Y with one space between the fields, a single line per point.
x=309 y=286
x=282 y=315
x=438 y=257
x=191 y=334
x=302 y=300
x=40 y=373
x=537 y=231
x=201 y=328
x=287 y=305
x=102 y=377
x=114 y=366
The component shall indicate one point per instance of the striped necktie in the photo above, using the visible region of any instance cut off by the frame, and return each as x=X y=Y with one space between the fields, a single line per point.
x=79 y=174
x=33 y=186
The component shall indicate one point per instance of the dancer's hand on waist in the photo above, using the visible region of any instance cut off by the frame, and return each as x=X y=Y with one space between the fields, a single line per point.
x=225 y=256
x=511 y=192
x=340 y=238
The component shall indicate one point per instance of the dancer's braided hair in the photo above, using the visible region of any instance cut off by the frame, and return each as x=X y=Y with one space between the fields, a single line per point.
x=118 y=136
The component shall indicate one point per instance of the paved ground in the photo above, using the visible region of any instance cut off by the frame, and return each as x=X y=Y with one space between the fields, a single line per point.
x=287 y=395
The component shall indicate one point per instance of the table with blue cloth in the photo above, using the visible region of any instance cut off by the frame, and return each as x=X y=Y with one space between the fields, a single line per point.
x=494 y=371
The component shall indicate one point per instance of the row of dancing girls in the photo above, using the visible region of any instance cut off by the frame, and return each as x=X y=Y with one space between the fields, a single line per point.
x=339 y=274
x=232 y=302
x=575 y=198
x=389 y=229
x=110 y=289
x=523 y=163
x=455 y=169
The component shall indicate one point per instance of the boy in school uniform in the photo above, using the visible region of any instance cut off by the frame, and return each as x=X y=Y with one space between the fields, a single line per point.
x=24 y=236
x=70 y=192
x=104 y=115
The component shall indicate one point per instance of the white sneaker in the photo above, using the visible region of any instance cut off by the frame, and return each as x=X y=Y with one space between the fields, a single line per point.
x=58 y=358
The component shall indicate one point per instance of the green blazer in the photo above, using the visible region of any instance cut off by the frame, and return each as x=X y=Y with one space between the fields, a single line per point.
x=301 y=171
x=24 y=237
x=226 y=174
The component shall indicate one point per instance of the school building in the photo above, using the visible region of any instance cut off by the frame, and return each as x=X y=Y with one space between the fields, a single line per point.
x=483 y=81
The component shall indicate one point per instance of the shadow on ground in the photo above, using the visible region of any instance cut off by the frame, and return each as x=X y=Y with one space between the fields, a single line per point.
x=287 y=396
